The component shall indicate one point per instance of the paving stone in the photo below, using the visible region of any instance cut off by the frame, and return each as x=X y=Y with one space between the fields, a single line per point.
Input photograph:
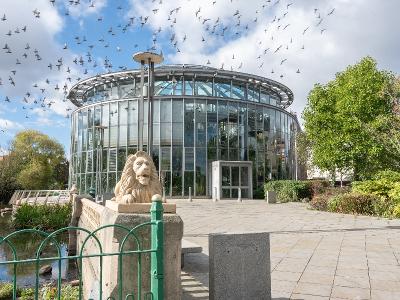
x=298 y=234
x=311 y=277
x=352 y=281
x=350 y=293
x=283 y=285
x=385 y=285
x=384 y=295
x=313 y=289
x=308 y=297
x=287 y=276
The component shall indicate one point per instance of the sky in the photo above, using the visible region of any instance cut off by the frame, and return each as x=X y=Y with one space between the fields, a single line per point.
x=47 y=46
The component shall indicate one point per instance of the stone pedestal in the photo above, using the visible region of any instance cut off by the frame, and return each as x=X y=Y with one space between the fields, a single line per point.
x=94 y=216
x=239 y=266
x=271 y=197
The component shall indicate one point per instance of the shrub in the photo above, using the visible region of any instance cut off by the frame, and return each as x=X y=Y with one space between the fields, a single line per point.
x=6 y=291
x=381 y=184
x=396 y=211
x=319 y=202
x=45 y=217
x=353 y=203
x=259 y=193
x=318 y=187
x=289 y=190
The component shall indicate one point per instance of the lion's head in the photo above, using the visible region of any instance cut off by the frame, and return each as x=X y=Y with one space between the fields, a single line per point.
x=139 y=180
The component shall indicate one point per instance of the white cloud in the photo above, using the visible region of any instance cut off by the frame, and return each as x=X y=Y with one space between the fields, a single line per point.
x=354 y=29
x=36 y=85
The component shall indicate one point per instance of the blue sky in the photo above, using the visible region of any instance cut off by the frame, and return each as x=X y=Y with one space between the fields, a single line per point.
x=318 y=37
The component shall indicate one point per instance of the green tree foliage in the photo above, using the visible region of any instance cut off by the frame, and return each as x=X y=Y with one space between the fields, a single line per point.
x=35 y=161
x=347 y=120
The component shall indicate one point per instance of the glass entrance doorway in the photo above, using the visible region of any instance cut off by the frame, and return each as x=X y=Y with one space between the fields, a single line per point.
x=230 y=176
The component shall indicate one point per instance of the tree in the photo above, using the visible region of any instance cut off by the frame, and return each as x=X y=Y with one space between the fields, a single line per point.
x=34 y=161
x=346 y=119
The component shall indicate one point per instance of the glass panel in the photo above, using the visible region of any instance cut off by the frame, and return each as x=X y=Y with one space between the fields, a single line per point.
x=212 y=123
x=200 y=119
x=253 y=93
x=244 y=176
x=112 y=160
x=188 y=86
x=238 y=91
x=156 y=134
x=233 y=154
x=252 y=126
x=177 y=108
x=165 y=136
x=189 y=123
x=177 y=134
x=97 y=115
x=133 y=134
x=201 y=161
x=222 y=123
x=226 y=176
x=224 y=154
x=211 y=154
x=189 y=182
x=123 y=112
x=113 y=136
x=123 y=138
x=177 y=183
x=245 y=193
x=133 y=113
x=178 y=87
x=278 y=121
x=165 y=110
x=111 y=181
x=121 y=159
x=273 y=100
x=226 y=193
x=235 y=176
x=264 y=96
x=189 y=159
x=156 y=111
x=163 y=88
x=165 y=158
x=113 y=113
x=235 y=193
x=126 y=89
x=222 y=89
x=156 y=156
x=166 y=178
x=176 y=158
x=176 y=171
x=203 y=87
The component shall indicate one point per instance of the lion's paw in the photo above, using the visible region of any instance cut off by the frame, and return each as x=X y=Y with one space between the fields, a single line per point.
x=127 y=199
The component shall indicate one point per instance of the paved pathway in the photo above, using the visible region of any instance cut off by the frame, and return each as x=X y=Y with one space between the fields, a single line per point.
x=314 y=255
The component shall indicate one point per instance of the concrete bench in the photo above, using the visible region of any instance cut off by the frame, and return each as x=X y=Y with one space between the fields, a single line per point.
x=189 y=247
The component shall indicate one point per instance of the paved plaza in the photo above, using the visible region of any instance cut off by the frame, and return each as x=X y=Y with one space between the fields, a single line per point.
x=314 y=255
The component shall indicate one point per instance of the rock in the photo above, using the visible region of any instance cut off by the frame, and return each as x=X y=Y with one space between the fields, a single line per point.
x=45 y=270
x=74 y=282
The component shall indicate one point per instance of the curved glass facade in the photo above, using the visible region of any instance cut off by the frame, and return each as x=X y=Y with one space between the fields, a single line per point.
x=197 y=119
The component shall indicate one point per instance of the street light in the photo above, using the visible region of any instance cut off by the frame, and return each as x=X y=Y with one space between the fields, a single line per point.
x=150 y=59
x=99 y=158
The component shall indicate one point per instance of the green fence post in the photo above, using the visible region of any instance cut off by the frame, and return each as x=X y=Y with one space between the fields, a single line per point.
x=157 y=243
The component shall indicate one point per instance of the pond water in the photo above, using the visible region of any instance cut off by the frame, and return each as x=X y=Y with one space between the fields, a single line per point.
x=26 y=245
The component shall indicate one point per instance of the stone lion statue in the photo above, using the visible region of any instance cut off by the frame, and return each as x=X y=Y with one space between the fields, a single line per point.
x=139 y=180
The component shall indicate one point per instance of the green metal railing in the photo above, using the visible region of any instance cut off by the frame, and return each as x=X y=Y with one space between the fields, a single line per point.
x=156 y=254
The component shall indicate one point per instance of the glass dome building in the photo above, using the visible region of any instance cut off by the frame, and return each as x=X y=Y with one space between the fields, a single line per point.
x=200 y=115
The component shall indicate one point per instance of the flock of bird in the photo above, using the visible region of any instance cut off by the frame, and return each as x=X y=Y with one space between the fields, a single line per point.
x=71 y=67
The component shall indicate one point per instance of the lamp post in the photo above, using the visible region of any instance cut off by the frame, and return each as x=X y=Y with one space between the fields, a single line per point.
x=99 y=158
x=150 y=59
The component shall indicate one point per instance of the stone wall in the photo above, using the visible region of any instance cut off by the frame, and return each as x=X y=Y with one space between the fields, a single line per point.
x=94 y=216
